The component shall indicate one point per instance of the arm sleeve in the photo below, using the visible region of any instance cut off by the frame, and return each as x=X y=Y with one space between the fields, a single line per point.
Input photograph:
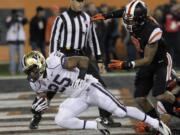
x=93 y=42
x=55 y=34
x=115 y=14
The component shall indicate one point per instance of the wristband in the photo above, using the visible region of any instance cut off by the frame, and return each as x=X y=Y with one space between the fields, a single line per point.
x=133 y=64
x=82 y=73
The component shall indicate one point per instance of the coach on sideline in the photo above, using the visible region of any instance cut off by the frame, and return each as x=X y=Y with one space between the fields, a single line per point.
x=72 y=34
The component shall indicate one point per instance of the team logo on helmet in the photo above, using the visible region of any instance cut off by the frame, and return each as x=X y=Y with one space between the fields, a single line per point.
x=33 y=65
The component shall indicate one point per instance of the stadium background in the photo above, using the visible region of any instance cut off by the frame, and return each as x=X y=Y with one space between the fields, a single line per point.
x=16 y=96
x=29 y=7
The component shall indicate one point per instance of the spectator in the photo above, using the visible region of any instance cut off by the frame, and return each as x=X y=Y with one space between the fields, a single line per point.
x=15 y=38
x=169 y=17
x=50 y=21
x=91 y=9
x=37 y=31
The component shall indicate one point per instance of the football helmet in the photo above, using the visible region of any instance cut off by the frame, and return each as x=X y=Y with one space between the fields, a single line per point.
x=33 y=65
x=135 y=15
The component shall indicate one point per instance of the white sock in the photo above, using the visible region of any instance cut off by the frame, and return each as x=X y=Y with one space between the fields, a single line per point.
x=91 y=125
x=135 y=113
x=152 y=122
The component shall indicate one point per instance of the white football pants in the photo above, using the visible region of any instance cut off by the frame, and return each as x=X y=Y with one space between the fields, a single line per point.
x=95 y=95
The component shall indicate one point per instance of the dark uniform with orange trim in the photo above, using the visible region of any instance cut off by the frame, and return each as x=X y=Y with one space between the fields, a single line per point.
x=164 y=107
x=158 y=72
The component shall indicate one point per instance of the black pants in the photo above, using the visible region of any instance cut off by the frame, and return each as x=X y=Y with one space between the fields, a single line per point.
x=93 y=70
x=152 y=77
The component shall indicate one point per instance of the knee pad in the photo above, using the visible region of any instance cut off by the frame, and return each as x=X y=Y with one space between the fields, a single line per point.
x=60 y=120
x=62 y=117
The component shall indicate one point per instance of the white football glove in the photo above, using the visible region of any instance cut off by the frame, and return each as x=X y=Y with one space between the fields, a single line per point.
x=40 y=105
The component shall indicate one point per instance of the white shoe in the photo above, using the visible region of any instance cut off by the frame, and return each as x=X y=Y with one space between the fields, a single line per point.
x=163 y=129
x=102 y=129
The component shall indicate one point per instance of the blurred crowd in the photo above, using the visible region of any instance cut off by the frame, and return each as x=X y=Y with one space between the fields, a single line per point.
x=108 y=32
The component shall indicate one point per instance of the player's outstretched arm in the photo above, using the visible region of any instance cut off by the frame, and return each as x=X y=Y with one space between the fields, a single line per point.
x=81 y=62
x=113 y=14
x=150 y=51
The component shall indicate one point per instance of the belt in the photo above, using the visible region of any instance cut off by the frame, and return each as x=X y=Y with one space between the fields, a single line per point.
x=69 y=52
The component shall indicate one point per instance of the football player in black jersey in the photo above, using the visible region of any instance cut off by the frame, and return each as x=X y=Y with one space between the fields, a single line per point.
x=155 y=64
x=173 y=85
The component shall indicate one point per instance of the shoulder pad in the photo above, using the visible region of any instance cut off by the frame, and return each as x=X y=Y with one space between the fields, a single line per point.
x=155 y=36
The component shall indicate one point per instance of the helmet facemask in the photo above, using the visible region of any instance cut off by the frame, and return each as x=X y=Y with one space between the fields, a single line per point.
x=134 y=21
x=129 y=23
x=34 y=65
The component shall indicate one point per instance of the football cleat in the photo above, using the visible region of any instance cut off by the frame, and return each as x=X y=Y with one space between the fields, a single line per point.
x=108 y=122
x=102 y=129
x=163 y=129
x=35 y=121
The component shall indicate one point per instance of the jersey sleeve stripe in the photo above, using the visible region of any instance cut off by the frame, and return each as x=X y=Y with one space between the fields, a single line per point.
x=155 y=37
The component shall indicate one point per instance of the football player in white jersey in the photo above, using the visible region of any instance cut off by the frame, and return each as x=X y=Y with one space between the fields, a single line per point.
x=68 y=75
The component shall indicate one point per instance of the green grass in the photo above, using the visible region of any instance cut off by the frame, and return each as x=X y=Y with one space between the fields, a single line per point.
x=4 y=70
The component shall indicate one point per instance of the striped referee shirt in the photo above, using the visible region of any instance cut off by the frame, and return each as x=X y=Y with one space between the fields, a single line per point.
x=74 y=30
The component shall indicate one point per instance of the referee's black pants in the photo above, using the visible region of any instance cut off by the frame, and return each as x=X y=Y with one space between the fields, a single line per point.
x=94 y=71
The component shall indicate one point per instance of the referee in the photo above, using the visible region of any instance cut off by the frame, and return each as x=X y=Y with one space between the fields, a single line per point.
x=74 y=35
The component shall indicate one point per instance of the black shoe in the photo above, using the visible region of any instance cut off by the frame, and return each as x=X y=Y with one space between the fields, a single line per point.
x=35 y=121
x=109 y=122
x=102 y=129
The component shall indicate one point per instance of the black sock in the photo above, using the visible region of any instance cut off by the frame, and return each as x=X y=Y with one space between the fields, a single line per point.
x=84 y=126
x=169 y=108
x=176 y=103
x=153 y=113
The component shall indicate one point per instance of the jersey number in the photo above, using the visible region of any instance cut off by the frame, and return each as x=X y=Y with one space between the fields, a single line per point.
x=65 y=82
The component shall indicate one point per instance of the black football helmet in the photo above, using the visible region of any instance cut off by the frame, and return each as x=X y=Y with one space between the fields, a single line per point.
x=135 y=15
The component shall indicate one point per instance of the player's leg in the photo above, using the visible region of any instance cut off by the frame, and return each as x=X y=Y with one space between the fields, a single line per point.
x=164 y=107
x=160 y=92
x=104 y=99
x=143 y=85
x=68 y=112
x=105 y=116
